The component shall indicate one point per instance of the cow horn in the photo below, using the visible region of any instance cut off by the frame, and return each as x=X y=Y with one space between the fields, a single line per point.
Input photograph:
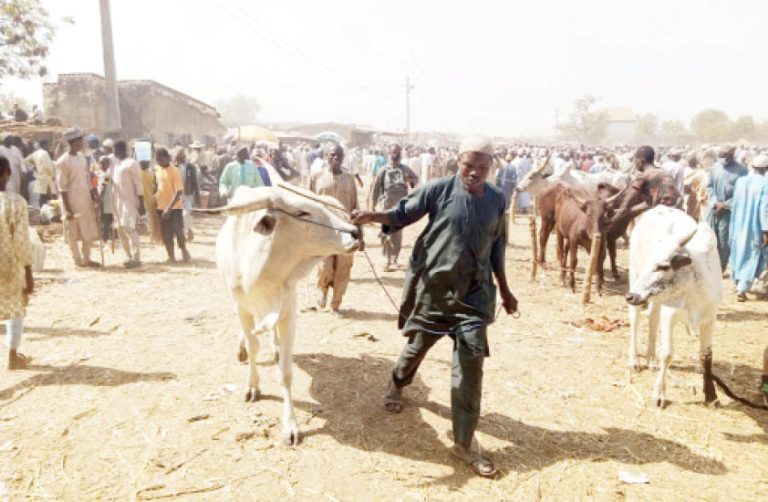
x=687 y=237
x=544 y=165
x=263 y=199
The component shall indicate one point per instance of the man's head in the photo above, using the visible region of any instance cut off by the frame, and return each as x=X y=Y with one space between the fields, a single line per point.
x=8 y=140
x=5 y=172
x=675 y=155
x=162 y=157
x=242 y=154
x=335 y=158
x=760 y=163
x=109 y=146
x=121 y=149
x=395 y=154
x=181 y=156
x=74 y=137
x=93 y=141
x=144 y=165
x=644 y=156
x=727 y=153
x=475 y=154
x=104 y=163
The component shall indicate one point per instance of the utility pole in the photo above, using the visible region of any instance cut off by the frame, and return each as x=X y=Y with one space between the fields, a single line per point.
x=113 y=123
x=408 y=88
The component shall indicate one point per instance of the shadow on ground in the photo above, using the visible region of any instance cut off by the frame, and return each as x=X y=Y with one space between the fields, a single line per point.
x=408 y=435
x=77 y=374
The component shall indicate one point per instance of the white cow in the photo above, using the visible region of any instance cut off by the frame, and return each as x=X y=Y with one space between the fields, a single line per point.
x=536 y=180
x=674 y=268
x=272 y=238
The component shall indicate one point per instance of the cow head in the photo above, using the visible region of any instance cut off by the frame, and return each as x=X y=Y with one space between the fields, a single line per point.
x=293 y=219
x=667 y=270
x=535 y=180
x=593 y=207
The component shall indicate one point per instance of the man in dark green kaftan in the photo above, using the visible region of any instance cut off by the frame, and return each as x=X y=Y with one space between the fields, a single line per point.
x=449 y=288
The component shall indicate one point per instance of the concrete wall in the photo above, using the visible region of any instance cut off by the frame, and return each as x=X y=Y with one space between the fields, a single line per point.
x=149 y=110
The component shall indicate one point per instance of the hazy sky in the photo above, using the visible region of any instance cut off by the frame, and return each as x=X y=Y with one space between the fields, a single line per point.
x=477 y=66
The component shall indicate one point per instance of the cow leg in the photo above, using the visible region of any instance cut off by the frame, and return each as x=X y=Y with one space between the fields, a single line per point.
x=251 y=336
x=246 y=326
x=612 y=255
x=562 y=252
x=634 y=319
x=275 y=346
x=659 y=396
x=546 y=229
x=654 y=312
x=573 y=250
x=705 y=340
x=286 y=330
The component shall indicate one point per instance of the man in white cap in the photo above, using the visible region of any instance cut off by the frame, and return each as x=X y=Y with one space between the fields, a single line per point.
x=72 y=181
x=449 y=290
x=749 y=227
x=675 y=168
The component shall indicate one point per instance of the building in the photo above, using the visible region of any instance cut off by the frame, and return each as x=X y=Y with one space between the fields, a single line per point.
x=621 y=126
x=148 y=109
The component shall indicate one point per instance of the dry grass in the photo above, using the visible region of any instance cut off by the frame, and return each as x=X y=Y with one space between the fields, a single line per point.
x=135 y=394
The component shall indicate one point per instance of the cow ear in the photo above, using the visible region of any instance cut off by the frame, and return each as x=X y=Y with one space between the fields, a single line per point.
x=680 y=260
x=266 y=224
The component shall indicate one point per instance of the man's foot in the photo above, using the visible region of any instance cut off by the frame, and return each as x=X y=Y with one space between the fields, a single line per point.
x=482 y=466
x=335 y=312
x=741 y=297
x=89 y=264
x=171 y=259
x=132 y=264
x=393 y=401
x=17 y=361
x=185 y=257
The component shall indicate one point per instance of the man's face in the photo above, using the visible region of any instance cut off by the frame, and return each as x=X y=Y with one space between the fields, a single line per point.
x=473 y=169
x=335 y=158
x=395 y=154
x=242 y=155
x=163 y=160
x=181 y=157
x=76 y=144
x=727 y=156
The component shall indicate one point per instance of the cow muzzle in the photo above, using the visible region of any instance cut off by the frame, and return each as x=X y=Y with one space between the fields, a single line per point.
x=635 y=299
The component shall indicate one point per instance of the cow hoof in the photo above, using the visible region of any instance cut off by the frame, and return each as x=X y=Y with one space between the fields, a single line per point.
x=242 y=355
x=276 y=357
x=292 y=437
x=252 y=395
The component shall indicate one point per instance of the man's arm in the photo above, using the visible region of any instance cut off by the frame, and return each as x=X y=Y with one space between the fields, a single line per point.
x=497 y=265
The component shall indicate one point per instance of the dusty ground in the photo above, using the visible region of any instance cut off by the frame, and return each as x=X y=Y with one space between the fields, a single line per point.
x=135 y=393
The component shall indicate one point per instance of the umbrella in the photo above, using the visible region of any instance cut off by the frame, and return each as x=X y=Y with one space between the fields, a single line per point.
x=329 y=136
x=255 y=134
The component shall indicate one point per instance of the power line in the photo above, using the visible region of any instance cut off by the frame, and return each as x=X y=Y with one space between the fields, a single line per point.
x=274 y=39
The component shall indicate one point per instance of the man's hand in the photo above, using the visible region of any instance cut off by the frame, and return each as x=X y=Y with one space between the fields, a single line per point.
x=509 y=301
x=719 y=208
x=361 y=217
x=765 y=239
x=166 y=214
x=69 y=216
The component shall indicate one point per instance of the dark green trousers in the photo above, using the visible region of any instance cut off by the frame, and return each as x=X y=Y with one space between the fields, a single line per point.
x=466 y=381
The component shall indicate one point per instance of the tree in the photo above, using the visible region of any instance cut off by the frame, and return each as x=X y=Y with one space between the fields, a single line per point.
x=25 y=33
x=583 y=124
x=710 y=125
x=647 y=126
x=671 y=129
x=238 y=110
x=743 y=127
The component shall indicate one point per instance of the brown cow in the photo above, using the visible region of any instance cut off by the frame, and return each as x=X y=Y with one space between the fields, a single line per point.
x=578 y=215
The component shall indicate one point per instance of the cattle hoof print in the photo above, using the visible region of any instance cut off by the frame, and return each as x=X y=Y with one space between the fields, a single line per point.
x=252 y=395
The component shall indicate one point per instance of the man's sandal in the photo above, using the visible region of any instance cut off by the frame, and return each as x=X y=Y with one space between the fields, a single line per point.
x=482 y=466
x=18 y=361
x=393 y=401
